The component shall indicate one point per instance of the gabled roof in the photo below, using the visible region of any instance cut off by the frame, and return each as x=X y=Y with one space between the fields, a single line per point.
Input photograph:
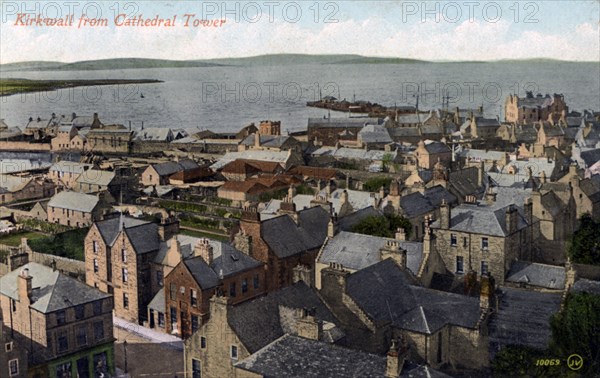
x=110 y=228
x=481 y=219
x=286 y=238
x=523 y=318
x=590 y=157
x=534 y=274
x=280 y=157
x=357 y=251
x=297 y=357
x=52 y=290
x=202 y=273
x=387 y=294
x=242 y=166
x=160 y=134
x=158 y=302
x=257 y=322
x=74 y=201
x=374 y=134
x=96 y=177
x=591 y=188
x=170 y=167
x=436 y=147
x=10 y=183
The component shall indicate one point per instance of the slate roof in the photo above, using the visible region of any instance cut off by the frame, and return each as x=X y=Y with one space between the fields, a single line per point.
x=74 y=201
x=586 y=286
x=591 y=188
x=96 y=177
x=353 y=153
x=271 y=141
x=257 y=322
x=590 y=157
x=357 y=251
x=160 y=134
x=477 y=155
x=415 y=204
x=481 y=219
x=387 y=294
x=540 y=275
x=241 y=166
x=143 y=234
x=286 y=238
x=52 y=290
x=227 y=260
x=11 y=183
x=374 y=134
x=347 y=222
x=297 y=357
x=170 y=167
x=523 y=318
x=436 y=147
x=158 y=302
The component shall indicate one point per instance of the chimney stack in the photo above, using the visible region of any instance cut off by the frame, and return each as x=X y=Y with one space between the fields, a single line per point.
x=486 y=292
x=332 y=226
x=395 y=359
x=512 y=219
x=204 y=250
x=308 y=326
x=400 y=234
x=445 y=215
x=24 y=284
x=392 y=250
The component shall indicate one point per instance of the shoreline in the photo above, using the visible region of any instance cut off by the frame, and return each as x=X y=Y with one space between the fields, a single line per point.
x=10 y=87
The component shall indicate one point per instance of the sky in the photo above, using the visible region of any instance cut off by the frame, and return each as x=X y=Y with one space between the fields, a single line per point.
x=428 y=30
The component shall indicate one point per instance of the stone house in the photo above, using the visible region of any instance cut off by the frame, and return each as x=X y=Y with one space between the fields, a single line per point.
x=110 y=140
x=95 y=181
x=329 y=131
x=550 y=135
x=252 y=188
x=532 y=108
x=211 y=267
x=64 y=173
x=233 y=333
x=480 y=127
x=74 y=209
x=17 y=188
x=118 y=256
x=72 y=333
x=13 y=359
x=268 y=142
x=158 y=174
x=78 y=143
x=381 y=302
x=429 y=152
x=283 y=242
x=483 y=237
x=63 y=137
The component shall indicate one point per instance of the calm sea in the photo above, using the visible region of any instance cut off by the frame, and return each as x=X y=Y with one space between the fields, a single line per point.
x=228 y=98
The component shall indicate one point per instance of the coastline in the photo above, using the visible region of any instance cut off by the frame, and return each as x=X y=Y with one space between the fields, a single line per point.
x=9 y=87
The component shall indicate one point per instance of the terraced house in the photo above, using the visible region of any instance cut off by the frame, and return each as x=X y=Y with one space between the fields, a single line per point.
x=67 y=323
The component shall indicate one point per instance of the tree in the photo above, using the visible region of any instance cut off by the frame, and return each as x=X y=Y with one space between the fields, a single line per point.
x=584 y=247
x=576 y=330
x=384 y=226
x=375 y=183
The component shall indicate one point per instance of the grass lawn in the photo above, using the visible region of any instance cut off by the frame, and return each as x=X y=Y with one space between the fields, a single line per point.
x=14 y=240
x=200 y=234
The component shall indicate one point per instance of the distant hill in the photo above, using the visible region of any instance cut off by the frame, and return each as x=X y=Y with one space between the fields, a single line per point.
x=261 y=60
x=105 y=64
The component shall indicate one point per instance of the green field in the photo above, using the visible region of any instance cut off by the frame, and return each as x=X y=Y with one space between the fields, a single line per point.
x=14 y=240
x=14 y=86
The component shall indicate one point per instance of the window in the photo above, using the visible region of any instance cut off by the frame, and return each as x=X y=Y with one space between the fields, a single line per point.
x=234 y=352
x=202 y=342
x=97 y=308
x=459 y=264
x=465 y=242
x=245 y=285
x=161 y=320
x=194 y=294
x=484 y=267
x=60 y=317
x=96 y=266
x=195 y=369
x=484 y=243
x=195 y=323
x=125 y=300
x=14 y=305
x=159 y=277
x=13 y=367
x=453 y=241
x=62 y=342
x=232 y=289
x=173 y=291
x=256 y=281
x=99 y=330
x=8 y=347
x=81 y=336
x=79 y=312
x=173 y=318
x=123 y=255
x=182 y=290
x=124 y=274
